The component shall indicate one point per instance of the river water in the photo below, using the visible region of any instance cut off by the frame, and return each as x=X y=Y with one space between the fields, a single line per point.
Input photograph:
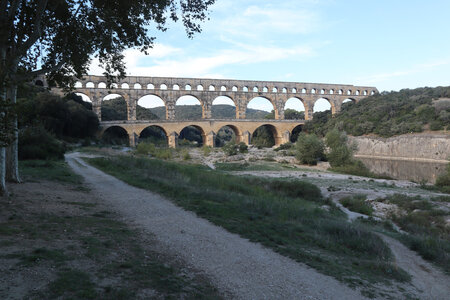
x=406 y=170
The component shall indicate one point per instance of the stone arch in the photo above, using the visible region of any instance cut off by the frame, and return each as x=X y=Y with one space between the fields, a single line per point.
x=331 y=92
x=187 y=133
x=137 y=86
x=227 y=112
x=78 y=85
x=284 y=90
x=245 y=89
x=154 y=134
x=187 y=87
x=90 y=85
x=163 y=86
x=114 y=85
x=191 y=103
x=365 y=93
x=261 y=103
x=211 y=88
x=323 y=104
x=304 y=90
x=349 y=92
x=150 y=86
x=223 y=88
x=260 y=138
x=101 y=85
x=297 y=104
x=255 y=89
x=176 y=87
x=357 y=92
x=124 y=86
x=294 y=91
x=265 y=89
x=115 y=135
x=275 y=90
x=295 y=132
x=234 y=89
x=322 y=91
x=85 y=97
x=153 y=102
x=341 y=92
x=313 y=91
x=223 y=136
x=113 y=109
x=199 y=87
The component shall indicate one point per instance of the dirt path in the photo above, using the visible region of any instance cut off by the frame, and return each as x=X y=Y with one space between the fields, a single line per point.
x=236 y=266
x=431 y=282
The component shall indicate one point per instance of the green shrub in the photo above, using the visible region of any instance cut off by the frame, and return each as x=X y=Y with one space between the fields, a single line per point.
x=357 y=204
x=37 y=143
x=185 y=154
x=443 y=181
x=145 y=148
x=309 y=149
x=285 y=146
x=230 y=148
x=243 y=148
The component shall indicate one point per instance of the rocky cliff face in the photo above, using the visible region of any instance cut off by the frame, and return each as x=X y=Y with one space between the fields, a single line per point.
x=422 y=147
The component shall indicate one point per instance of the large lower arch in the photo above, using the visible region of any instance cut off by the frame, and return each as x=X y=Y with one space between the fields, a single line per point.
x=223 y=107
x=261 y=108
x=115 y=135
x=188 y=107
x=192 y=135
x=265 y=136
x=151 y=107
x=295 y=132
x=294 y=109
x=227 y=134
x=154 y=134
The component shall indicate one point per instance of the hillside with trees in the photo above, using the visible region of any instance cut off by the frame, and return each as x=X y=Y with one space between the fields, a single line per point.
x=389 y=113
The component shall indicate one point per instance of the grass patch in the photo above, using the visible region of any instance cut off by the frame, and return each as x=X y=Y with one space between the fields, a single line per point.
x=73 y=283
x=426 y=225
x=357 y=203
x=53 y=170
x=285 y=215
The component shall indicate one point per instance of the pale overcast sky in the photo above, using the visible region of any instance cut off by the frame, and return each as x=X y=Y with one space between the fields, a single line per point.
x=388 y=44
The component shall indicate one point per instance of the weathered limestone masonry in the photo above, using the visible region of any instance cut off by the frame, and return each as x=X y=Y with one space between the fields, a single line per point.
x=241 y=92
x=426 y=147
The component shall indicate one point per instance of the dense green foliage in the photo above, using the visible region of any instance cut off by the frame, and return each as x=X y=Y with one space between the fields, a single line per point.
x=231 y=148
x=309 y=149
x=263 y=137
x=284 y=215
x=389 y=113
x=44 y=118
x=116 y=109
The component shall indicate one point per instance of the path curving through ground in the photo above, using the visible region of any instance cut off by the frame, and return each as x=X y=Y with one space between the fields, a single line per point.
x=235 y=265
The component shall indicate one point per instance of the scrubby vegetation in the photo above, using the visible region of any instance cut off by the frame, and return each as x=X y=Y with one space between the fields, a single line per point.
x=46 y=121
x=231 y=148
x=443 y=181
x=428 y=232
x=357 y=203
x=389 y=113
x=309 y=149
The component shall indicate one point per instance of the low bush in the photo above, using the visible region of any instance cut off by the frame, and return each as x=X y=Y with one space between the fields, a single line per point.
x=243 y=148
x=443 y=181
x=357 y=204
x=37 y=143
x=230 y=148
x=309 y=149
x=285 y=146
x=207 y=150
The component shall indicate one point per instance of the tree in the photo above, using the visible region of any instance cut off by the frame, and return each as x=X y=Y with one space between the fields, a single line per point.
x=340 y=153
x=309 y=148
x=58 y=38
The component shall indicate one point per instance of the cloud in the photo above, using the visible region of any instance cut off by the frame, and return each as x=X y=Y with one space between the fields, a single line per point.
x=138 y=64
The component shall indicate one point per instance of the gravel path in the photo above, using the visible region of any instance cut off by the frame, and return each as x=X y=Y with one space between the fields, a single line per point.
x=236 y=266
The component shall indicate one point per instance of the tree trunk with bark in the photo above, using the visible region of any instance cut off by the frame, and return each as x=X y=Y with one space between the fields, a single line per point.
x=3 y=190
x=12 y=158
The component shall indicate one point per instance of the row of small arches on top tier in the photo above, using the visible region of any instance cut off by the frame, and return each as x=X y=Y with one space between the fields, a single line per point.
x=223 y=88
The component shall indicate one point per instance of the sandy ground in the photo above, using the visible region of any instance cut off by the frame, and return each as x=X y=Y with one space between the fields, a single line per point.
x=235 y=265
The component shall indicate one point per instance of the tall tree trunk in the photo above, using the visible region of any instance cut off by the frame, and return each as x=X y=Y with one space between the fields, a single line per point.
x=12 y=158
x=3 y=190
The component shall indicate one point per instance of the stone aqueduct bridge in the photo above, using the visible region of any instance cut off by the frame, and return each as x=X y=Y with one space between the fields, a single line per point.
x=241 y=92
